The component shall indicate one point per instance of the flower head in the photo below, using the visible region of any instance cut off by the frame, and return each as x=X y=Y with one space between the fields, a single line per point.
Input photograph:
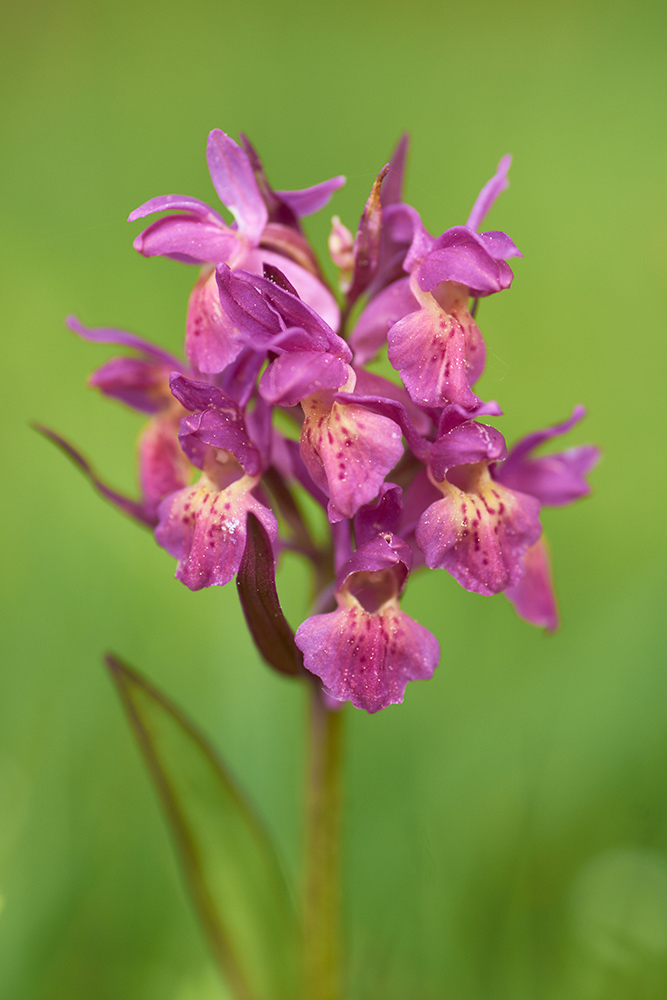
x=276 y=398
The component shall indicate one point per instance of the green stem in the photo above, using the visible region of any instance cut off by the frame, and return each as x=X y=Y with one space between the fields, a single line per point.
x=322 y=949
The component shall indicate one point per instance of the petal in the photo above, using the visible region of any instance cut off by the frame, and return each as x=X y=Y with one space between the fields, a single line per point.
x=466 y=444
x=480 y=537
x=247 y=307
x=438 y=354
x=405 y=228
x=382 y=516
x=109 y=335
x=308 y=200
x=163 y=467
x=184 y=237
x=394 y=410
x=143 y=385
x=533 y=596
x=557 y=479
x=205 y=530
x=459 y=256
x=392 y=189
x=181 y=203
x=348 y=451
x=217 y=423
x=234 y=180
x=297 y=374
x=367 y=658
x=489 y=193
x=212 y=341
x=377 y=571
x=311 y=309
x=498 y=245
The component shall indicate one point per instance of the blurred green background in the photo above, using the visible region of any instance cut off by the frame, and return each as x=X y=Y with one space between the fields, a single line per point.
x=506 y=831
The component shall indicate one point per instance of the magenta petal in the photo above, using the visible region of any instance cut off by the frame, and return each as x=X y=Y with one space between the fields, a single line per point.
x=557 y=479
x=309 y=287
x=212 y=341
x=395 y=410
x=498 y=245
x=135 y=382
x=466 y=444
x=311 y=199
x=184 y=237
x=109 y=335
x=489 y=193
x=295 y=311
x=217 y=423
x=234 y=180
x=480 y=537
x=392 y=189
x=180 y=203
x=205 y=529
x=297 y=374
x=533 y=596
x=458 y=256
x=382 y=516
x=367 y=658
x=247 y=307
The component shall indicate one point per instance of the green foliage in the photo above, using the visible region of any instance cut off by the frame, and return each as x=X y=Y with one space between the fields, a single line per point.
x=231 y=871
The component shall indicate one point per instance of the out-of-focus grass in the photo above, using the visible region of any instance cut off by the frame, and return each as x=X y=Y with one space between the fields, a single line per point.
x=506 y=826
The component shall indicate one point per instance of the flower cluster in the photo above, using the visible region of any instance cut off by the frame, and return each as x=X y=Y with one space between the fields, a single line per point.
x=405 y=470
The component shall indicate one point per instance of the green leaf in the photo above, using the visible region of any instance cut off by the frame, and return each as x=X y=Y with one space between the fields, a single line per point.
x=230 y=867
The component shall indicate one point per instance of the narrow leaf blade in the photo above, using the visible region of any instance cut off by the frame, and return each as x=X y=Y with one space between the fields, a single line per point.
x=256 y=584
x=230 y=868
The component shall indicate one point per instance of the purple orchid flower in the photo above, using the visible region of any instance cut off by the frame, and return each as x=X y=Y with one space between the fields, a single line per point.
x=554 y=480
x=434 y=343
x=438 y=349
x=199 y=235
x=204 y=526
x=480 y=530
x=368 y=649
